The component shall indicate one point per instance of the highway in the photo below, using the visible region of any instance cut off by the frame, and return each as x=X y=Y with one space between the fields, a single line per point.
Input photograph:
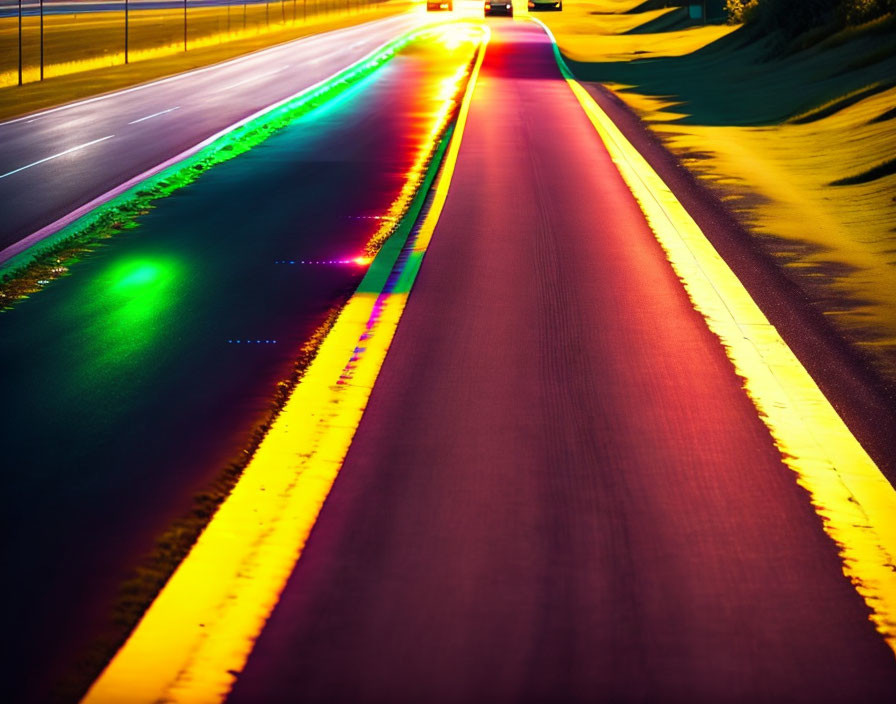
x=57 y=162
x=559 y=490
x=563 y=486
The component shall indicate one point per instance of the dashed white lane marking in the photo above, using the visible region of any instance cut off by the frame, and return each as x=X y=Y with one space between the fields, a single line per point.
x=56 y=156
x=155 y=114
x=252 y=79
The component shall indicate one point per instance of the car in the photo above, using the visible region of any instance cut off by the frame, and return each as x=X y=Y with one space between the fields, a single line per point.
x=439 y=5
x=545 y=5
x=498 y=8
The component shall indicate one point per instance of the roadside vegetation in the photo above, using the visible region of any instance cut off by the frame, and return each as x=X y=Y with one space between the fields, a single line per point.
x=813 y=18
x=789 y=117
x=84 y=52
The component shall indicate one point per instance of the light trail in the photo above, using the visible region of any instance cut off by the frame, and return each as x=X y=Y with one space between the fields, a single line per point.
x=195 y=638
x=855 y=501
x=155 y=114
x=56 y=156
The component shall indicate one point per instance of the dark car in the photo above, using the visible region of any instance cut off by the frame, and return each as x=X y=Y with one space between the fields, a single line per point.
x=546 y=5
x=498 y=8
x=439 y=5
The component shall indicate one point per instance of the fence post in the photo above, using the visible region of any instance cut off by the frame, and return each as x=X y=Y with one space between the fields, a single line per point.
x=185 y=25
x=20 y=42
x=41 y=39
x=126 y=30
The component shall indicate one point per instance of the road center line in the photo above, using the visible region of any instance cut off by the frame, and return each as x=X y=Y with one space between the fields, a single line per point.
x=253 y=78
x=155 y=114
x=56 y=156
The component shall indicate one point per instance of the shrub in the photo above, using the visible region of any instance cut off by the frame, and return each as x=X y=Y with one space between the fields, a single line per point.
x=793 y=17
x=740 y=11
x=858 y=11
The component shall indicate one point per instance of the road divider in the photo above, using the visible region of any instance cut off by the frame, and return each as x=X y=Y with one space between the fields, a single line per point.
x=856 y=503
x=197 y=635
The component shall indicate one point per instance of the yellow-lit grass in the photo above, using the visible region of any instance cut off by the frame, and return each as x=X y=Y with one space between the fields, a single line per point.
x=843 y=237
x=84 y=53
x=837 y=241
x=597 y=30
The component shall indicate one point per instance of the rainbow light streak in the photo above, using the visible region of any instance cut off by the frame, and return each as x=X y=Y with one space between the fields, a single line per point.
x=198 y=633
x=30 y=271
x=448 y=89
x=856 y=503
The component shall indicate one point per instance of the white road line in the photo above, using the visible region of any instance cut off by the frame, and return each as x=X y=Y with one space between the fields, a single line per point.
x=252 y=78
x=155 y=114
x=67 y=151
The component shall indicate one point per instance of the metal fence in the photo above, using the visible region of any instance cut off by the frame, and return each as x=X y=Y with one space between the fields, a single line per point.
x=44 y=38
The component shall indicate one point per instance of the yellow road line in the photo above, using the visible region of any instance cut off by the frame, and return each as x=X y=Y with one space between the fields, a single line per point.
x=855 y=501
x=198 y=633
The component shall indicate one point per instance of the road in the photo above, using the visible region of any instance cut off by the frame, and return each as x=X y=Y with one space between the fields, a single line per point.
x=141 y=375
x=559 y=490
x=58 y=160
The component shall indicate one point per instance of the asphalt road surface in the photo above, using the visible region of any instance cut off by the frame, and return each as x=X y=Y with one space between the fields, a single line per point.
x=559 y=491
x=60 y=159
x=139 y=376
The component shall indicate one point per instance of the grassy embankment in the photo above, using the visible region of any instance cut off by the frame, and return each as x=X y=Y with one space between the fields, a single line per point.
x=797 y=134
x=84 y=53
